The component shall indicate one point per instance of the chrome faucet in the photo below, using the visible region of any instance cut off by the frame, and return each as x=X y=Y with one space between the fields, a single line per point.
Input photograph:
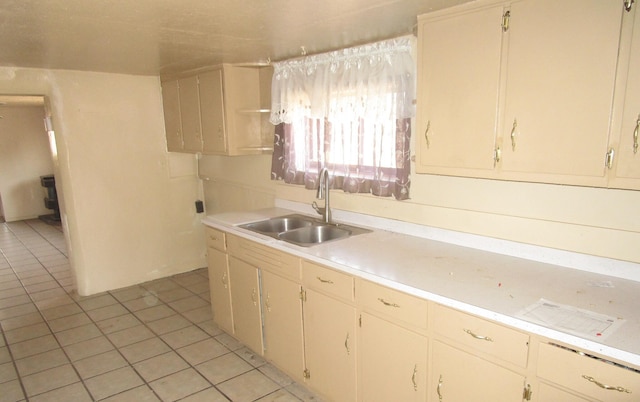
x=323 y=194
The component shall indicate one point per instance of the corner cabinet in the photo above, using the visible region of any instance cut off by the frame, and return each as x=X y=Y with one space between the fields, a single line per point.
x=527 y=90
x=220 y=111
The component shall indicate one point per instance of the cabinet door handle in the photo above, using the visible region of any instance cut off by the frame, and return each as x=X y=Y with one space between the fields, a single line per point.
x=267 y=304
x=329 y=281
x=439 y=388
x=497 y=153
x=608 y=160
x=253 y=297
x=426 y=134
x=346 y=344
x=386 y=303
x=224 y=280
x=635 y=136
x=481 y=337
x=604 y=386
x=513 y=135
x=413 y=377
x=628 y=4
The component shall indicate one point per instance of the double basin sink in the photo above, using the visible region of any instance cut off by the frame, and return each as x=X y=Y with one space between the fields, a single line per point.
x=303 y=230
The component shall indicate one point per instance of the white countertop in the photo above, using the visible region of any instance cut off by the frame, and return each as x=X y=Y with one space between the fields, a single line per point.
x=483 y=283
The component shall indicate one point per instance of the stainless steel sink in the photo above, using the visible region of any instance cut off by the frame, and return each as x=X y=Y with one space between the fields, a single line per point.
x=303 y=230
x=314 y=235
x=278 y=225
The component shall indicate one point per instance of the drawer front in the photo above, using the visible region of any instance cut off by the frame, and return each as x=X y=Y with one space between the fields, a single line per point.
x=327 y=280
x=215 y=239
x=264 y=257
x=392 y=303
x=482 y=335
x=587 y=375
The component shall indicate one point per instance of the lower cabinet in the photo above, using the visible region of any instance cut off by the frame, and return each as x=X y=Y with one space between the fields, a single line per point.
x=330 y=349
x=458 y=376
x=282 y=314
x=393 y=362
x=219 y=289
x=245 y=299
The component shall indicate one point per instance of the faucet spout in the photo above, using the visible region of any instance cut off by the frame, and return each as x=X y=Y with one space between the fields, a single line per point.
x=323 y=193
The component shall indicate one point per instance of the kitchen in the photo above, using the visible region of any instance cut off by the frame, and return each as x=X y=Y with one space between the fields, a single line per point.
x=121 y=180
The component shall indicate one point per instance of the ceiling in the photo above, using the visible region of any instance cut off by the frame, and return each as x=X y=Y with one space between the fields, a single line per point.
x=164 y=37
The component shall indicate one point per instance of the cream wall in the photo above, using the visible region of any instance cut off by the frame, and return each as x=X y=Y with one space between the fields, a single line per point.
x=127 y=205
x=24 y=157
x=592 y=221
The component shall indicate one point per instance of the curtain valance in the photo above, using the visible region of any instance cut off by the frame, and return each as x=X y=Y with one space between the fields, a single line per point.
x=376 y=79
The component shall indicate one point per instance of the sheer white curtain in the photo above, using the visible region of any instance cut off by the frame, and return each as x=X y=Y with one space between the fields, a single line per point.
x=350 y=111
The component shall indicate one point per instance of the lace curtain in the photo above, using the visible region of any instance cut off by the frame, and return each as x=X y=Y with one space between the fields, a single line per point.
x=350 y=111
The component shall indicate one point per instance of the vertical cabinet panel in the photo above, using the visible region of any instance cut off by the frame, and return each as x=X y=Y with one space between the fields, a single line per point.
x=190 y=112
x=282 y=312
x=457 y=376
x=330 y=346
x=212 y=112
x=560 y=79
x=627 y=173
x=458 y=84
x=393 y=362
x=172 y=123
x=219 y=288
x=245 y=298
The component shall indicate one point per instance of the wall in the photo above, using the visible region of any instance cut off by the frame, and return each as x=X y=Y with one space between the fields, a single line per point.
x=592 y=221
x=24 y=157
x=127 y=212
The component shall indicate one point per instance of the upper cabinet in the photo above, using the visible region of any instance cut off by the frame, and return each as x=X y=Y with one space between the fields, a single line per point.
x=222 y=111
x=528 y=90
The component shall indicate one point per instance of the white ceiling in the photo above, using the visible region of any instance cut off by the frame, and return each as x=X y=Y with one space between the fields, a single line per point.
x=163 y=37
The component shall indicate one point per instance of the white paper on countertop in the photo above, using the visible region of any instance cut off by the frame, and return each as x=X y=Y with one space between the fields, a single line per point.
x=576 y=321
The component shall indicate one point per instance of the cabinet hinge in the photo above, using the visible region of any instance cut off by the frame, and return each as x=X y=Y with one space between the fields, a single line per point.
x=303 y=295
x=306 y=374
x=527 y=393
x=505 y=20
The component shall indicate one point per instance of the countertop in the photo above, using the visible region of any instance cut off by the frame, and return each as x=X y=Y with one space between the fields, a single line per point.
x=487 y=284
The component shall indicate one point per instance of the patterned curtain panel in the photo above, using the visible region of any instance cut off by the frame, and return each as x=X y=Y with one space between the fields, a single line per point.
x=349 y=111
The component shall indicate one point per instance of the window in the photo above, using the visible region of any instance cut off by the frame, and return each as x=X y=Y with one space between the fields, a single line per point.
x=349 y=111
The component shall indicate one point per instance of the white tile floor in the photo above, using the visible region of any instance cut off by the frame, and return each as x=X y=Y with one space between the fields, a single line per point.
x=154 y=341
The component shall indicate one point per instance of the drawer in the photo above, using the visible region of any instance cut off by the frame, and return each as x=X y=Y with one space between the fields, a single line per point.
x=215 y=239
x=392 y=303
x=327 y=280
x=264 y=257
x=582 y=373
x=482 y=335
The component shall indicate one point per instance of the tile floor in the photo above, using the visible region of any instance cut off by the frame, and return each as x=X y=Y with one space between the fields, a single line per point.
x=150 y=342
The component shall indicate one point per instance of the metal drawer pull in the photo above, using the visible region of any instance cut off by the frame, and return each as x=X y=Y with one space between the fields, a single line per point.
x=604 y=386
x=635 y=136
x=346 y=344
x=439 y=389
x=413 y=377
x=386 y=303
x=481 y=337
x=329 y=281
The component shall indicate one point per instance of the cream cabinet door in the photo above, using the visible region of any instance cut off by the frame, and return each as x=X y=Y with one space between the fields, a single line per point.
x=172 y=124
x=190 y=114
x=330 y=348
x=393 y=362
x=219 y=288
x=560 y=80
x=212 y=112
x=458 y=89
x=457 y=376
x=245 y=301
x=627 y=173
x=282 y=312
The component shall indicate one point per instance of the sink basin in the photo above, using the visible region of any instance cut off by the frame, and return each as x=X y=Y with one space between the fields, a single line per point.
x=314 y=235
x=278 y=225
x=303 y=230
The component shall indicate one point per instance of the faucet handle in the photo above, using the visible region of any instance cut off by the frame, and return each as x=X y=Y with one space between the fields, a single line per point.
x=317 y=208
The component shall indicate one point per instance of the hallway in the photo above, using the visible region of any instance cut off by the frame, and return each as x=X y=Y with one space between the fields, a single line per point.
x=152 y=342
